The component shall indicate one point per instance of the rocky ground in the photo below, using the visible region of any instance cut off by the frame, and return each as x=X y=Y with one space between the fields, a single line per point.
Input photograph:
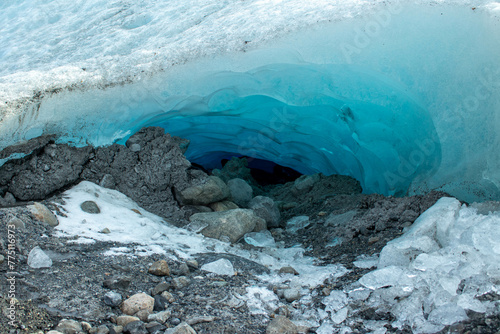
x=84 y=291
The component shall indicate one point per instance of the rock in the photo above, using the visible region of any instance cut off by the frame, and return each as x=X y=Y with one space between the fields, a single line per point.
x=54 y=332
x=304 y=183
x=160 y=303
x=135 y=327
x=139 y=301
x=123 y=320
x=108 y=181
x=18 y=223
x=168 y=296
x=192 y=264
x=45 y=171
x=181 y=282
x=155 y=327
x=43 y=214
x=219 y=267
x=161 y=317
x=86 y=326
x=159 y=268
x=142 y=315
x=116 y=330
x=2 y=259
x=38 y=259
x=223 y=206
x=234 y=168
x=67 y=326
x=90 y=207
x=213 y=189
x=105 y=231
x=291 y=294
x=288 y=270
x=114 y=283
x=103 y=329
x=112 y=299
x=9 y=199
x=281 y=325
x=182 y=328
x=265 y=208
x=183 y=269
x=241 y=192
x=159 y=288
x=231 y=225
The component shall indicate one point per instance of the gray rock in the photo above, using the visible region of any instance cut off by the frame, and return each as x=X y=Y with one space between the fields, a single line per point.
x=304 y=183
x=265 y=208
x=181 y=282
x=211 y=190
x=28 y=180
x=160 y=317
x=18 y=223
x=38 y=259
x=291 y=294
x=182 y=328
x=159 y=268
x=112 y=299
x=135 y=327
x=67 y=326
x=226 y=225
x=162 y=286
x=9 y=199
x=123 y=320
x=114 y=283
x=161 y=303
x=223 y=206
x=102 y=329
x=90 y=207
x=108 y=181
x=2 y=259
x=281 y=325
x=241 y=192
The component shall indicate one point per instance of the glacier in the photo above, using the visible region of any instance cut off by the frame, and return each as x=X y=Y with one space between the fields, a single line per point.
x=401 y=95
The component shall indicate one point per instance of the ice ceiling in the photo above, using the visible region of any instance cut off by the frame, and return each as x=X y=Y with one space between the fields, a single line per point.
x=403 y=96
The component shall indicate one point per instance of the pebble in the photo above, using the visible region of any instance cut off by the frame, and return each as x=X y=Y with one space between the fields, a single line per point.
x=181 y=282
x=182 y=328
x=291 y=294
x=160 y=317
x=288 y=270
x=168 y=296
x=114 y=283
x=112 y=298
x=86 y=326
x=135 y=327
x=163 y=286
x=192 y=263
x=155 y=327
x=18 y=223
x=106 y=231
x=90 y=207
x=2 y=259
x=143 y=315
x=103 y=329
x=54 y=332
x=160 y=303
x=159 y=268
x=123 y=320
x=281 y=325
x=116 y=330
x=67 y=326
x=139 y=301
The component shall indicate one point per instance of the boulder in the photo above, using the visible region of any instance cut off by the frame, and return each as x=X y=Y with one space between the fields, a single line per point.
x=226 y=225
x=265 y=208
x=241 y=192
x=43 y=214
x=211 y=190
x=223 y=206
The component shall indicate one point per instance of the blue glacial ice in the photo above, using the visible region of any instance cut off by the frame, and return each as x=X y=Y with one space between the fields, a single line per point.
x=401 y=95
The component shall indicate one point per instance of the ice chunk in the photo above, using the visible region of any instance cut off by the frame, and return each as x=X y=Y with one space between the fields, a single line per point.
x=335 y=301
x=219 y=267
x=261 y=300
x=38 y=259
x=365 y=262
x=388 y=276
x=325 y=328
x=447 y=314
x=339 y=316
x=260 y=239
x=297 y=223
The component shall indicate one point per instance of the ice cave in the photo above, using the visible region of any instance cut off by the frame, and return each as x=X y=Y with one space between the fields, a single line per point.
x=403 y=96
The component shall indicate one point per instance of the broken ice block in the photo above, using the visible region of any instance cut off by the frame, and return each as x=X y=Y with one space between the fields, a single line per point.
x=219 y=267
x=297 y=223
x=260 y=239
x=38 y=259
